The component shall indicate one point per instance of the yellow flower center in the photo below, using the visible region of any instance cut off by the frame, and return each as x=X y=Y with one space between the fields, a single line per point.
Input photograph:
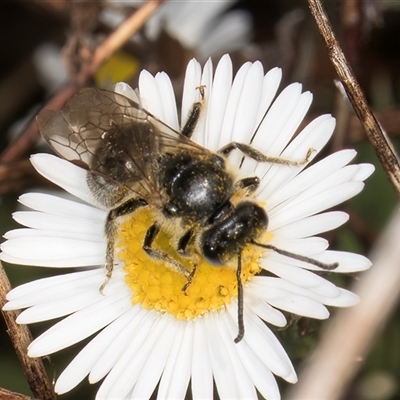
x=156 y=285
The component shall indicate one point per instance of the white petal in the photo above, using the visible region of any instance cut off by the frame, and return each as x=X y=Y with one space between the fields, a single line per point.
x=199 y=134
x=246 y=106
x=264 y=310
x=53 y=252
x=223 y=372
x=125 y=375
x=276 y=119
x=345 y=299
x=301 y=277
x=297 y=304
x=232 y=105
x=66 y=294
x=364 y=171
x=305 y=246
x=269 y=287
x=264 y=343
x=150 y=96
x=138 y=327
x=298 y=107
x=314 y=136
x=348 y=262
x=58 y=308
x=218 y=101
x=62 y=207
x=124 y=89
x=36 y=292
x=38 y=233
x=303 y=205
x=168 y=100
x=271 y=82
x=311 y=225
x=175 y=379
x=155 y=361
x=64 y=174
x=40 y=220
x=202 y=380
x=89 y=320
x=246 y=387
x=82 y=364
x=261 y=376
x=312 y=176
x=246 y=111
x=190 y=94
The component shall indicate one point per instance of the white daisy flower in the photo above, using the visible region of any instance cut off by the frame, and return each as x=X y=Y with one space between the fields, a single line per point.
x=148 y=332
x=207 y=27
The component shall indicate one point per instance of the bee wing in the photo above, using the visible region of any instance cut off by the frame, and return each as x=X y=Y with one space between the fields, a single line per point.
x=92 y=117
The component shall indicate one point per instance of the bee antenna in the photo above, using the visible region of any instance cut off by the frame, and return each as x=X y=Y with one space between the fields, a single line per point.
x=240 y=335
x=299 y=257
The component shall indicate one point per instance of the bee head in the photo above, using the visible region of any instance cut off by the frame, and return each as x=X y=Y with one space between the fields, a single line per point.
x=229 y=235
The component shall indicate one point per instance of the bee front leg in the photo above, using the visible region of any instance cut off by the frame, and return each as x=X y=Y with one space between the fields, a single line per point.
x=182 y=249
x=111 y=229
x=151 y=234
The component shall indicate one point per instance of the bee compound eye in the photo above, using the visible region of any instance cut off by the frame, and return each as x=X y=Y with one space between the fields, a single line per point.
x=211 y=247
x=212 y=255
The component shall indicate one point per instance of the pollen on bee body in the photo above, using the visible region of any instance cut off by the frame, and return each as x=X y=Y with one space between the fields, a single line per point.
x=155 y=285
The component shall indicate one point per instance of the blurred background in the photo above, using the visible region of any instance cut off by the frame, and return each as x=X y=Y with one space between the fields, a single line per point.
x=45 y=44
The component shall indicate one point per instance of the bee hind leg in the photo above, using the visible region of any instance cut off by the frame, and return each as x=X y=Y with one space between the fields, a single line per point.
x=111 y=229
x=110 y=234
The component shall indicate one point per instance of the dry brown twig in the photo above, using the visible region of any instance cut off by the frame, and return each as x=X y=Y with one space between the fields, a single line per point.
x=349 y=336
x=21 y=337
x=8 y=395
x=383 y=148
x=114 y=41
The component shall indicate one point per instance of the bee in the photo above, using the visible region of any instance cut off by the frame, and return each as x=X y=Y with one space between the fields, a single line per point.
x=134 y=160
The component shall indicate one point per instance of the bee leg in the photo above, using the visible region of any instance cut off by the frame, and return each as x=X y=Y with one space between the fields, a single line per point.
x=111 y=228
x=189 y=279
x=183 y=242
x=194 y=115
x=151 y=234
x=110 y=231
x=240 y=334
x=256 y=155
x=192 y=119
x=248 y=184
x=182 y=249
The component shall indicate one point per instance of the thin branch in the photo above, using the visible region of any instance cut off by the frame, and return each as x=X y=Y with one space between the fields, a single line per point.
x=349 y=336
x=383 y=148
x=21 y=337
x=115 y=40
x=8 y=395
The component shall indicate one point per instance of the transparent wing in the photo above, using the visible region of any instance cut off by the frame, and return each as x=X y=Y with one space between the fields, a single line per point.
x=113 y=136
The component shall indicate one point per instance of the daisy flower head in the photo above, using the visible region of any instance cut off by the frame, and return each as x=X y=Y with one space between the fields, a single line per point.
x=167 y=315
